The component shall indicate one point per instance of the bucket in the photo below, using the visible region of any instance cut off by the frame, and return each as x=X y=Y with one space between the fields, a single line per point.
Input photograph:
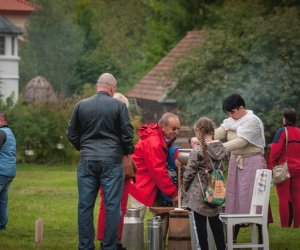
x=155 y=241
x=133 y=230
x=179 y=231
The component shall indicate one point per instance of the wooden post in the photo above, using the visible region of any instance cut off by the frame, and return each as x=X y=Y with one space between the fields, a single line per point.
x=179 y=185
x=39 y=224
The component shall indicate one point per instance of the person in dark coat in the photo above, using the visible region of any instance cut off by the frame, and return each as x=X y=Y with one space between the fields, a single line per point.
x=100 y=128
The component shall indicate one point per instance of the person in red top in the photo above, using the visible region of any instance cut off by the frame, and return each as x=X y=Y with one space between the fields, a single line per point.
x=289 y=190
x=124 y=199
x=150 y=156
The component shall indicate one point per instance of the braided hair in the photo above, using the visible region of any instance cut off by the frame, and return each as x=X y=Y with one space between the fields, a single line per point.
x=204 y=126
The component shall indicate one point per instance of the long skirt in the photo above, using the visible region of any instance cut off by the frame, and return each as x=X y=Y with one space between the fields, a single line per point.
x=240 y=182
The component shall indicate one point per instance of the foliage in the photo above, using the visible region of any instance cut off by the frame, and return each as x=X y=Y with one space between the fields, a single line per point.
x=102 y=37
x=120 y=39
x=42 y=128
x=252 y=47
x=164 y=27
x=52 y=44
x=243 y=53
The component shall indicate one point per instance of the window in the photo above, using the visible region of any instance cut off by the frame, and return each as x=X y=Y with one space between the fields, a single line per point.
x=13 y=46
x=2 y=45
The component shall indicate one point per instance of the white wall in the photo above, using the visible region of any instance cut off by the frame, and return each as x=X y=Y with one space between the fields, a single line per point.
x=9 y=69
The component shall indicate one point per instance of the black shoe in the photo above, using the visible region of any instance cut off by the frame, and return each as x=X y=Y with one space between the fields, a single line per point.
x=291 y=216
x=120 y=247
x=260 y=236
x=236 y=232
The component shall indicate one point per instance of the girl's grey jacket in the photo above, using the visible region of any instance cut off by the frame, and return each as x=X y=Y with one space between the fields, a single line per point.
x=191 y=185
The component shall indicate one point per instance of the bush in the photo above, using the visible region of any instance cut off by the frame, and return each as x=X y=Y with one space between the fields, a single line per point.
x=40 y=129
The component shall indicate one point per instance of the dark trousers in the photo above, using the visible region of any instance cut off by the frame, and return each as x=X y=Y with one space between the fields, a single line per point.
x=216 y=226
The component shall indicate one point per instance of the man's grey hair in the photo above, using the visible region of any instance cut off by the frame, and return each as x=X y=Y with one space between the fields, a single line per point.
x=164 y=120
x=108 y=79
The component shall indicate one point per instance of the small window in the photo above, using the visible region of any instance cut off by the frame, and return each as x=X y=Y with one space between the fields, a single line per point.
x=13 y=46
x=2 y=45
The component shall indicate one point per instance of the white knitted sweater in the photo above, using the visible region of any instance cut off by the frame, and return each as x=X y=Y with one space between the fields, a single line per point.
x=244 y=136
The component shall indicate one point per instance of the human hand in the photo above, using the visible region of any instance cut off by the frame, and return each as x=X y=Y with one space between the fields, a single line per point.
x=194 y=142
x=127 y=160
x=175 y=201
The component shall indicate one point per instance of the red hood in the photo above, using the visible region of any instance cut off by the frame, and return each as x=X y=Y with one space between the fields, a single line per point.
x=146 y=130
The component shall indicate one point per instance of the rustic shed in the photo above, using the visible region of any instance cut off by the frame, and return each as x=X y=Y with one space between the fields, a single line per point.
x=151 y=92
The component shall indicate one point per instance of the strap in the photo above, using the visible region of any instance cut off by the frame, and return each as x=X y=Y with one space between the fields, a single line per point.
x=200 y=184
x=286 y=142
x=221 y=162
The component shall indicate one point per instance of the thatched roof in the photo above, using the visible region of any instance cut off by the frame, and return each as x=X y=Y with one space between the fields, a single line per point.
x=39 y=90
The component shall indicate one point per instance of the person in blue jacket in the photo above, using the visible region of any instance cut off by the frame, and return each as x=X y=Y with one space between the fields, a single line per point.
x=165 y=200
x=7 y=166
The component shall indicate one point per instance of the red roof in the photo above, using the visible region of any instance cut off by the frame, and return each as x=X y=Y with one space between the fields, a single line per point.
x=16 y=6
x=156 y=84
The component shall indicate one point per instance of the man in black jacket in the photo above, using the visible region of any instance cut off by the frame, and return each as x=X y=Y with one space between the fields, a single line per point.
x=101 y=130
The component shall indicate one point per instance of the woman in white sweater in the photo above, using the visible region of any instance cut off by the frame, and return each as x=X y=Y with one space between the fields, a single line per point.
x=243 y=135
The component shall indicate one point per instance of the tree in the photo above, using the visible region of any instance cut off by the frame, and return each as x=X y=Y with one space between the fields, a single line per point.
x=52 y=46
x=244 y=53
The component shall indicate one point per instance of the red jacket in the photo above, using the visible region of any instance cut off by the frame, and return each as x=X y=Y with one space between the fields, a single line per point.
x=150 y=156
x=278 y=151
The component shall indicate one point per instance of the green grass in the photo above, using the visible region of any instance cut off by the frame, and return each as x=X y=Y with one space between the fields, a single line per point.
x=50 y=192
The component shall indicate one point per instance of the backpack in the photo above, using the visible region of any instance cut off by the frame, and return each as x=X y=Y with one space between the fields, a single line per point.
x=214 y=192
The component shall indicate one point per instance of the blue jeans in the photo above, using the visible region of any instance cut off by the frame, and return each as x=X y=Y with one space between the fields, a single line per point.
x=90 y=176
x=4 y=185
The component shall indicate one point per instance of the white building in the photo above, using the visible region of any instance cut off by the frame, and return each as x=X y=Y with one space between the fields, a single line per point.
x=9 y=60
x=13 y=21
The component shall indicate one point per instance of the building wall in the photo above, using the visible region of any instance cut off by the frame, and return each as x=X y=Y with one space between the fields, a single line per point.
x=151 y=112
x=18 y=20
x=9 y=69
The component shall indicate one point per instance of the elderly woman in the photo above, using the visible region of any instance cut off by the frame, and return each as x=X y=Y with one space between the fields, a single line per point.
x=243 y=135
x=289 y=190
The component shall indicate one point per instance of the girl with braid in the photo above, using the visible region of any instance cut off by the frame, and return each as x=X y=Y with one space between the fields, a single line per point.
x=208 y=152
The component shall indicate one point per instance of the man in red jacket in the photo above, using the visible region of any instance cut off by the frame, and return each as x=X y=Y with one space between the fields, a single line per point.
x=150 y=156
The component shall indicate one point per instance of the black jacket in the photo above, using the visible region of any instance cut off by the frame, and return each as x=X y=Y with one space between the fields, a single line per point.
x=100 y=128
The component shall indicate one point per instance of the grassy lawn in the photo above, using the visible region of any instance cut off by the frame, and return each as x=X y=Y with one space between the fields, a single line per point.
x=51 y=193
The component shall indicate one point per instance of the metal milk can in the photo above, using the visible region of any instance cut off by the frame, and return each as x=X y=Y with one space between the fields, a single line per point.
x=133 y=230
x=155 y=241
